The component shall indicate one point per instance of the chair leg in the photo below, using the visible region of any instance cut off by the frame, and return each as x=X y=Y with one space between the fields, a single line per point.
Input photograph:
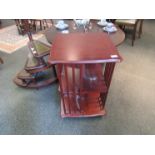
x=46 y=23
x=134 y=34
x=52 y=22
x=140 y=28
x=33 y=25
x=41 y=26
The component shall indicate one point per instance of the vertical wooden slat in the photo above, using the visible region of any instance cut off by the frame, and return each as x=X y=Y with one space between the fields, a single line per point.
x=67 y=87
x=108 y=73
x=74 y=85
x=81 y=81
x=112 y=65
x=104 y=73
x=108 y=77
x=103 y=98
x=59 y=69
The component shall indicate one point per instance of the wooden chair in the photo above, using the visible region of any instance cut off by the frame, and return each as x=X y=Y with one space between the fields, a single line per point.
x=132 y=23
x=36 y=72
x=39 y=51
x=37 y=48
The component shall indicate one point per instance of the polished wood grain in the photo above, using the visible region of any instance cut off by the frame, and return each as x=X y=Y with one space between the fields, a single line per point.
x=83 y=48
x=85 y=62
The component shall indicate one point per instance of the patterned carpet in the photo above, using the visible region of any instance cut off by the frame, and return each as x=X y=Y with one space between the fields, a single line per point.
x=10 y=40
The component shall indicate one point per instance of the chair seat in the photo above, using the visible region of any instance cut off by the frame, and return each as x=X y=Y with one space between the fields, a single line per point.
x=38 y=48
x=126 y=21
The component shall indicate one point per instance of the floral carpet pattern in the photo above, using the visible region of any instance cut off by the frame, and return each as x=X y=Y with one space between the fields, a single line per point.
x=10 y=40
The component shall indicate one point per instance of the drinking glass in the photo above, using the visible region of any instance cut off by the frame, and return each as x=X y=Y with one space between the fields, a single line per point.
x=74 y=24
x=90 y=26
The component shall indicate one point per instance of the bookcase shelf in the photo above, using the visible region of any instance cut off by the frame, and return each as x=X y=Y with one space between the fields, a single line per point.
x=85 y=65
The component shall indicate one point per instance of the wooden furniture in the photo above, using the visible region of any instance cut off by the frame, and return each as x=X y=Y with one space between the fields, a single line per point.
x=133 y=24
x=21 y=27
x=43 y=24
x=85 y=63
x=37 y=72
x=117 y=37
x=33 y=25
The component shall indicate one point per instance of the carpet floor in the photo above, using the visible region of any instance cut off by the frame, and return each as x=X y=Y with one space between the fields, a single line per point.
x=11 y=41
x=130 y=104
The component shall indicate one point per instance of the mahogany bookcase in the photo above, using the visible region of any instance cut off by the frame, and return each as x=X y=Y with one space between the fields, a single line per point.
x=84 y=64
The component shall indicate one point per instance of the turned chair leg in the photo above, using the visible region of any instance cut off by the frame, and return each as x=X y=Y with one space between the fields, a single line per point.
x=35 y=26
x=134 y=34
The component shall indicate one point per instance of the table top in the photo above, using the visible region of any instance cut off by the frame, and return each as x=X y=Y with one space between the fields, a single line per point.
x=93 y=47
x=116 y=37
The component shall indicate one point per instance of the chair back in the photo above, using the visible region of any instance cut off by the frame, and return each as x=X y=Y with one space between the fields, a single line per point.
x=27 y=27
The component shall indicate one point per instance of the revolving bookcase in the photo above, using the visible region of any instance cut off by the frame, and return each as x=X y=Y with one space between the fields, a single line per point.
x=84 y=65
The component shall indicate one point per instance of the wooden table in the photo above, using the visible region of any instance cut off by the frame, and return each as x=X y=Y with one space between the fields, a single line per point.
x=117 y=37
x=85 y=63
